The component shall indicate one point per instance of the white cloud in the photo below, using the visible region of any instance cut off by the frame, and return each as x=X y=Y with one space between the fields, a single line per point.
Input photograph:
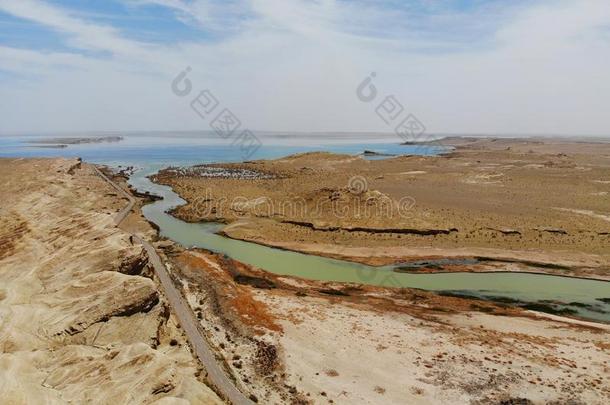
x=81 y=34
x=294 y=65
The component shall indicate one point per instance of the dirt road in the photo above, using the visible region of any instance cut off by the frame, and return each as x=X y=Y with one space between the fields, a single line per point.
x=189 y=323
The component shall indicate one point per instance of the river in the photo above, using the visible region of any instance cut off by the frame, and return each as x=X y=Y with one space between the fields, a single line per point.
x=151 y=152
x=578 y=295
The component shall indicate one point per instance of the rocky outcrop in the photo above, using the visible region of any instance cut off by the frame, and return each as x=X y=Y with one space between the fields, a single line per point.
x=79 y=321
x=134 y=264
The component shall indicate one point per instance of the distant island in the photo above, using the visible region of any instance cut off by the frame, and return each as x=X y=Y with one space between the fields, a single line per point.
x=53 y=146
x=77 y=141
x=373 y=153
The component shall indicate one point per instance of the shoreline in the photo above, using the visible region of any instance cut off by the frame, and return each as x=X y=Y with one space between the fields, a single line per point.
x=354 y=259
x=372 y=261
x=464 y=229
x=472 y=298
x=336 y=305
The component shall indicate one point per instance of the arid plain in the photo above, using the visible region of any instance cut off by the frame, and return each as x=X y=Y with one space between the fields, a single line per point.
x=532 y=205
x=85 y=320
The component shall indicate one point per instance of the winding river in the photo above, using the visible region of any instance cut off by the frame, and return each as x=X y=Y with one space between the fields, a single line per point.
x=581 y=296
x=152 y=151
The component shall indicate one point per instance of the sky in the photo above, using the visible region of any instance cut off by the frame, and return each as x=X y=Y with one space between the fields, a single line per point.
x=458 y=66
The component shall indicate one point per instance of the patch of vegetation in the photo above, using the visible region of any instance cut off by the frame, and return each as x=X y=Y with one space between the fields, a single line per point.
x=266 y=358
x=456 y=294
x=548 y=308
x=331 y=291
x=504 y=300
x=515 y=401
x=551 y=307
x=581 y=305
x=481 y=308
x=256 y=282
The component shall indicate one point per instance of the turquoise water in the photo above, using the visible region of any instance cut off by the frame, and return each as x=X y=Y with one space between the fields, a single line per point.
x=164 y=149
x=150 y=154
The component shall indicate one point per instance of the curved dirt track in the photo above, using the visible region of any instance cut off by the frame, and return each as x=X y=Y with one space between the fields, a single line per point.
x=185 y=316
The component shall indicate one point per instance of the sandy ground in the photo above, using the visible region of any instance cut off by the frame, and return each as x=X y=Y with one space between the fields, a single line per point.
x=537 y=200
x=81 y=321
x=346 y=343
x=396 y=358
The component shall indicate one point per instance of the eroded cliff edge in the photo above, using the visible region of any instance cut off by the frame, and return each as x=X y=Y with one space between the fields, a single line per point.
x=81 y=319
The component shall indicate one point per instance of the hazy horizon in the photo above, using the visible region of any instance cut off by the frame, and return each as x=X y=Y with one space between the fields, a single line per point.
x=262 y=134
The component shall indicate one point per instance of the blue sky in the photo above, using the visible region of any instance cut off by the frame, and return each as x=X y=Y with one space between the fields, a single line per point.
x=145 y=22
x=480 y=66
x=168 y=21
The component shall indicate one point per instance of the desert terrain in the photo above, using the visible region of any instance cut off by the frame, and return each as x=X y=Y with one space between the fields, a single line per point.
x=290 y=340
x=537 y=205
x=82 y=319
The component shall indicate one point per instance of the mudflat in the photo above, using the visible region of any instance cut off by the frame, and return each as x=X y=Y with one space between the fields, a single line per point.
x=290 y=340
x=81 y=318
x=538 y=204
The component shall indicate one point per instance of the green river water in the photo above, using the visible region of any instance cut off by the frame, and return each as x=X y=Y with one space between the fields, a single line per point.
x=583 y=297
